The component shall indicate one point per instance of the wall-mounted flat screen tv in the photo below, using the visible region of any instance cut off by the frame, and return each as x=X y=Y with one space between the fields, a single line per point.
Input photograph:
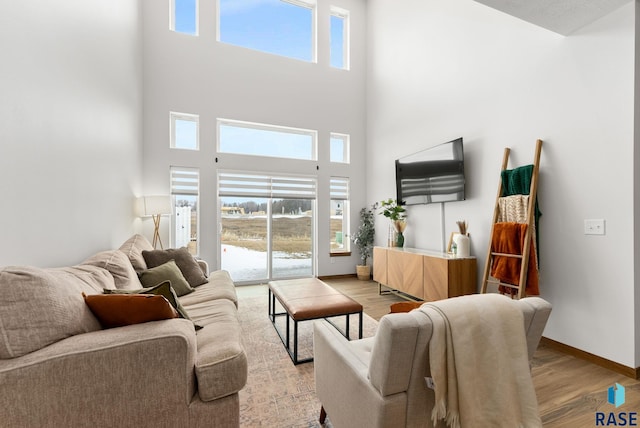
x=432 y=175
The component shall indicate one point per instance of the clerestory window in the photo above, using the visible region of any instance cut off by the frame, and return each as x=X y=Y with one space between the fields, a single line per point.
x=280 y=27
x=339 y=147
x=339 y=30
x=184 y=16
x=246 y=138
x=185 y=132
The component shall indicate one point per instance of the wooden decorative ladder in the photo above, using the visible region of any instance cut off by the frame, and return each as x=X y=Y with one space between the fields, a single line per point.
x=486 y=279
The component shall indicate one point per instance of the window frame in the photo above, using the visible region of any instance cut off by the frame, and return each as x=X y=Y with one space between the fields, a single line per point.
x=172 y=18
x=174 y=175
x=339 y=190
x=267 y=127
x=173 y=117
x=346 y=147
x=312 y=5
x=346 y=31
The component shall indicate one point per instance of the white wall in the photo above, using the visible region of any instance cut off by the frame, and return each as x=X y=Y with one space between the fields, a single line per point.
x=448 y=68
x=636 y=179
x=198 y=75
x=70 y=111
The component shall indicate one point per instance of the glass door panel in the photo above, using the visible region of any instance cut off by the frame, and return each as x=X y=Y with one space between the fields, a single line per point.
x=292 y=238
x=244 y=238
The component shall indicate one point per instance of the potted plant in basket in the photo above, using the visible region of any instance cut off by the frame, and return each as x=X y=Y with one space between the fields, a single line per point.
x=363 y=239
x=395 y=212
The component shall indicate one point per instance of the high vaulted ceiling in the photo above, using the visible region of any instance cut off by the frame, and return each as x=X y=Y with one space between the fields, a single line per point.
x=560 y=16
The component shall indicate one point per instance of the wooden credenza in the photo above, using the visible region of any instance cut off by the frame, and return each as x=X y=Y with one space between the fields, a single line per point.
x=426 y=275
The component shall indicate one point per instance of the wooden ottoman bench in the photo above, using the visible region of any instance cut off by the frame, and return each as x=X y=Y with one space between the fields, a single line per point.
x=309 y=299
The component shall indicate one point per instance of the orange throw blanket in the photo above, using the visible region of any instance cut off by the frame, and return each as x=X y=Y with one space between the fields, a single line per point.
x=508 y=238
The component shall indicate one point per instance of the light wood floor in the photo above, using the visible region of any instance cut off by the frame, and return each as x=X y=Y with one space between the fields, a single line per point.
x=570 y=391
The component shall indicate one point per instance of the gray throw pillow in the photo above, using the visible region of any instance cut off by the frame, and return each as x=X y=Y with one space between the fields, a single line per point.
x=168 y=271
x=185 y=261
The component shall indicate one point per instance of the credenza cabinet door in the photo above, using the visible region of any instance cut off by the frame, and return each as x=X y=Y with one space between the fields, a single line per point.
x=422 y=274
x=404 y=272
x=436 y=279
x=380 y=265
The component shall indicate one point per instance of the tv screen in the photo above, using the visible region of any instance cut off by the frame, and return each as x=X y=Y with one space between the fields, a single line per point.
x=432 y=175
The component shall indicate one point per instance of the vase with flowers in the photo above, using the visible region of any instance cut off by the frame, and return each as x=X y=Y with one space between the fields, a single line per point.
x=395 y=212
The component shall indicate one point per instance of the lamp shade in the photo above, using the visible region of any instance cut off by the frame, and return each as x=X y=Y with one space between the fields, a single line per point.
x=154 y=205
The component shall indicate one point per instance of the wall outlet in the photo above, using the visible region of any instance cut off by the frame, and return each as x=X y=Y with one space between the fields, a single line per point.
x=594 y=227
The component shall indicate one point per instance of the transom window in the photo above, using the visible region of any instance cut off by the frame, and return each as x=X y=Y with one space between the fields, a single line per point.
x=185 y=133
x=280 y=27
x=247 y=138
x=339 y=38
x=339 y=148
x=184 y=16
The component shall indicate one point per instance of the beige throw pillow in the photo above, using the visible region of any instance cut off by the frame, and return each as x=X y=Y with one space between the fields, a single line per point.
x=118 y=264
x=133 y=248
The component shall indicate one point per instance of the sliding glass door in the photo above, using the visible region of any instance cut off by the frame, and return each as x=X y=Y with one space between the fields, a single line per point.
x=267 y=226
x=243 y=238
x=291 y=237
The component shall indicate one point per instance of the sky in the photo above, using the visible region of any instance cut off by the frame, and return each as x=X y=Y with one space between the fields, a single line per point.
x=273 y=26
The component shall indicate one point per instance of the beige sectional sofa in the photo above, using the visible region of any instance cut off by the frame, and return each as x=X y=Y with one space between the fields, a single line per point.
x=59 y=367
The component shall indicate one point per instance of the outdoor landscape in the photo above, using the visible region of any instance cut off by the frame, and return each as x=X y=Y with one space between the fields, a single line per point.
x=244 y=245
x=291 y=234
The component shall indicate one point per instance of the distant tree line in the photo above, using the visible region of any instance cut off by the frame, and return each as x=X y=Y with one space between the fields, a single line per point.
x=278 y=206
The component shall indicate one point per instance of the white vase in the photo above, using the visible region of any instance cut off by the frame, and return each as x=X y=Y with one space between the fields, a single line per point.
x=463 y=245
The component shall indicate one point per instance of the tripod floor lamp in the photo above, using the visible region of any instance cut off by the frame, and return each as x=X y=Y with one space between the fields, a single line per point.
x=155 y=206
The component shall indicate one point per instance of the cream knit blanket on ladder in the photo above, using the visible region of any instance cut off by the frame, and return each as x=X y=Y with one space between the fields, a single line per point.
x=479 y=363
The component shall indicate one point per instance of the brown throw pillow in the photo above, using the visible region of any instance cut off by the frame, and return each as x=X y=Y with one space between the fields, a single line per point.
x=117 y=310
x=168 y=271
x=162 y=289
x=185 y=261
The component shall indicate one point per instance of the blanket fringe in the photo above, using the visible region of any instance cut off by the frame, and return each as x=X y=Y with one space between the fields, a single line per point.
x=440 y=412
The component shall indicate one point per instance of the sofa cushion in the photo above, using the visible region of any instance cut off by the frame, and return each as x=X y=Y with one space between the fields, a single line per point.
x=118 y=264
x=118 y=310
x=41 y=306
x=219 y=286
x=163 y=289
x=168 y=271
x=185 y=261
x=221 y=367
x=133 y=248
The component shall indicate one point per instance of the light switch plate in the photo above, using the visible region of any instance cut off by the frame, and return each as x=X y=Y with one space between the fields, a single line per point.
x=594 y=227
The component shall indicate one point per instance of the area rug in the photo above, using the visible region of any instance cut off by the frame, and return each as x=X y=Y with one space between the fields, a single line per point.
x=278 y=393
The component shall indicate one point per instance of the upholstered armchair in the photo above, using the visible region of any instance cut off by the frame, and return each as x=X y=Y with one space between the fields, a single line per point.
x=381 y=381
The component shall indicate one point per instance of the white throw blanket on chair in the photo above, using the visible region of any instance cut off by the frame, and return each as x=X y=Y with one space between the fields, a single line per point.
x=479 y=363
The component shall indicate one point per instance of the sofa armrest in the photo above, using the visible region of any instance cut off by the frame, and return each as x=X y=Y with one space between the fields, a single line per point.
x=204 y=266
x=129 y=376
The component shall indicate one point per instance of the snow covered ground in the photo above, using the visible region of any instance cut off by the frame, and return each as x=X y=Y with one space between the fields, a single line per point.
x=247 y=265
